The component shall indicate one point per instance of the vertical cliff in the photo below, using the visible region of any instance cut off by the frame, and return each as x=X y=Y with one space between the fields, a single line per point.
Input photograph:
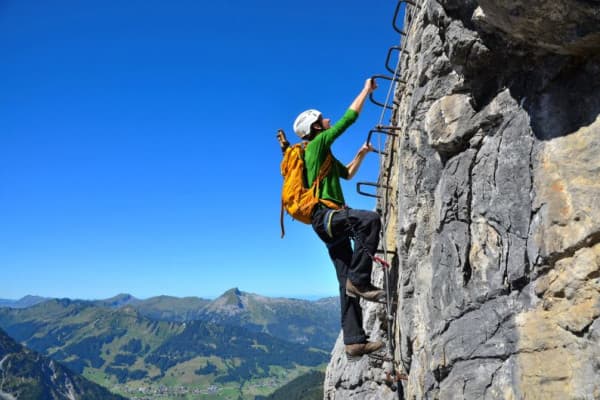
x=493 y=216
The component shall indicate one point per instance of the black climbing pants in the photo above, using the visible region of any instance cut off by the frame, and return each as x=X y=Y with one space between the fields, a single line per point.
x=336 y=228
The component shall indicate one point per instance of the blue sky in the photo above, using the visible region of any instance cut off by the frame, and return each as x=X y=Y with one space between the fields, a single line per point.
x=137 y=141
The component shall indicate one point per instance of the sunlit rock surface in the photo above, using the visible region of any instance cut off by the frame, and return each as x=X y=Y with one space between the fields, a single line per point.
x=493 y=219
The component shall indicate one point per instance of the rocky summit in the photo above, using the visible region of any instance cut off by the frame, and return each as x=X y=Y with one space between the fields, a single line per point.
x=489 y=192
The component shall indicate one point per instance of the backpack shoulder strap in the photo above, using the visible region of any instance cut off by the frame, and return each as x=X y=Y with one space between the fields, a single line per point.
x=325 y=168
x=287 y=153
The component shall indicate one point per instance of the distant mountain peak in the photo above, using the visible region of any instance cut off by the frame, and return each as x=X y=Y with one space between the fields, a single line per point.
x=120 y=300
x=30 y=297
x=24 y=302
x=233 y=292
x=123 y=296
x=230 y=302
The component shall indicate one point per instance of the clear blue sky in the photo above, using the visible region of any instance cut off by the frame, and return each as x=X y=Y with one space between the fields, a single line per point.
x=137 y=141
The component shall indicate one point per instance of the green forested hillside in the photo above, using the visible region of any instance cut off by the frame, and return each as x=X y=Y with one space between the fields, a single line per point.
x=25 y=374
x=306 y=387
x=168 y=308
x=256 y=352
x=120 y=347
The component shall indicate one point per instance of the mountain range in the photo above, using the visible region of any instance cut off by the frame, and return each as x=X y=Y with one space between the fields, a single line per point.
x=24 y=302
x=315 y=323
x=238 y=343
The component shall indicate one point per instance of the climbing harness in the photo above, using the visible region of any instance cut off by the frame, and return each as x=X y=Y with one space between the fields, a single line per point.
x=327 y=221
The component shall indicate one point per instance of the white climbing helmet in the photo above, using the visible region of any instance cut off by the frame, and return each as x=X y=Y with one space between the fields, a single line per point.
x=304 y=121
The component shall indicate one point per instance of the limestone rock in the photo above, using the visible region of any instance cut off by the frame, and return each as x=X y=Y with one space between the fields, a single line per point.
x=567 y=194
x=493 y=213
x=448 y=123
x=561 y=26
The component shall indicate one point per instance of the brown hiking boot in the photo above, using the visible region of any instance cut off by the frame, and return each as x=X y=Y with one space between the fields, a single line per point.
x=360 y=349
x=367 y=292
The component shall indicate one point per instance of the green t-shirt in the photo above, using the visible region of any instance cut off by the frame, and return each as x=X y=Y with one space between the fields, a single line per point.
x=315 y=153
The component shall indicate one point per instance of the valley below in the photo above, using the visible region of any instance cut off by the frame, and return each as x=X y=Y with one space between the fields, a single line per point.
x=237 y=346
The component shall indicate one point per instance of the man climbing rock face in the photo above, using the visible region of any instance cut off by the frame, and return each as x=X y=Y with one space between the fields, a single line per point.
x=337 y=225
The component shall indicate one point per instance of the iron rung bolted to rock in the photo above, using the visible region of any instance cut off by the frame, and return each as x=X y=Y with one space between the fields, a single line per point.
x=381 y=129
x=389 y=78
x=372 y=184
x=408 y=2
x=389 y=55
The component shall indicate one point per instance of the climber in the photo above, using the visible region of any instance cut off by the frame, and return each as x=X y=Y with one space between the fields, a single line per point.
x=336 y=226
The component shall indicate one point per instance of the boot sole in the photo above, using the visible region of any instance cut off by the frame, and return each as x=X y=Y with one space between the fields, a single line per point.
x=377 y=355
x=354 y=296
x=354 y=358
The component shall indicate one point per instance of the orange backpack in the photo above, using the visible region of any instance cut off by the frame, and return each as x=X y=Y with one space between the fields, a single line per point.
x=296 y=198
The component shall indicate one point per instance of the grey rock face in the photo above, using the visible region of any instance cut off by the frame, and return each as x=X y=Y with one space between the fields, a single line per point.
x=492 y=216
x=562 y=26
x=448 y=123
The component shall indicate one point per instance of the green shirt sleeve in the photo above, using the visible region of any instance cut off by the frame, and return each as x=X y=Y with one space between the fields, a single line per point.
x=320 y=145
x=328 y=137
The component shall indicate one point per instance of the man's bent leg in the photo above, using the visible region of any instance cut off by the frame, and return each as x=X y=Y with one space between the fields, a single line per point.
x=333 y=232
x=366 y=226
x=351 y=311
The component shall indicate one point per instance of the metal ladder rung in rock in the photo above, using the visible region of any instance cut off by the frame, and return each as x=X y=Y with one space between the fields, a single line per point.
x=393 y=377
x=386 y=131
x=400 y=50
x=385 y=251
x=398 y=6
x=389 y=78
x=372 y=184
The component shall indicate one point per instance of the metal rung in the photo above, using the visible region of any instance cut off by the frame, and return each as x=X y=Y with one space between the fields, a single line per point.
x=378 y=103
x=381 y=251
x=389 y=54
x=389 y=78
x=408 y=2
x=372 y=184
x=389 y=128
x=379 y=131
